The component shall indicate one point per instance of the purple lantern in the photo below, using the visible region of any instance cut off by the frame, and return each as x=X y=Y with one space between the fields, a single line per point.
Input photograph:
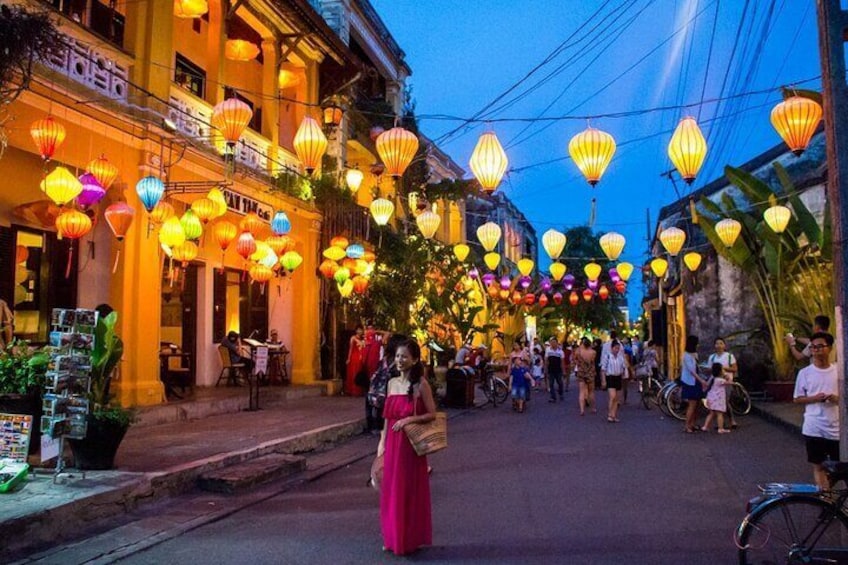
x=505 y=282
x=545 y=284
x=593 y=285
x=525 y=282
x=488 y=279
x=473 y=273
x=613 y=274
x=568 y=281
x=92 y=192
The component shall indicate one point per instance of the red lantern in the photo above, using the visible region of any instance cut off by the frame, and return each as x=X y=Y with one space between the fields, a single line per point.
x=516 y=297
x=119 y=216
x=603 y=292
x=246 y=245
x=360 y=284
x=543 y=300
x=529 y=299
x=620 y=287
x=573 y=299
x=48 y=136
x=493 y=291
x=557 y=298
x=587 y=295
x=328 y=268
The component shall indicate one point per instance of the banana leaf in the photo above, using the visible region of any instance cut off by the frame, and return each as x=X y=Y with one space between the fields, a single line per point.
x=755 y=190
x=806 y=221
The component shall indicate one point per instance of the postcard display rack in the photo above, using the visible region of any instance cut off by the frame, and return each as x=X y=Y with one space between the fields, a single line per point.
x=65 y=405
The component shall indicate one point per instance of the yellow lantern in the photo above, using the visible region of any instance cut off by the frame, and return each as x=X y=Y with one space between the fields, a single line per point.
x=525 y=266
x=73 y=224
x=204 y=209
x=185 y=253
x=554 y=242
x=492 y=260
x=161 y=212
x=291 y=260
x=396 y=148
x=61 y=186
x=190 y=8
x=172 y=234
x=692 y=260
x=231 y=117
x=612 y=244
x=673 y=239
x=777 y=218
x=260 y=273
x=659 y=266
x=334 y=253
x=489 y=234
x=216 y=196
x=593 y=271
x=728 y=230
x=104 y=171
x=557 y=270
x=48 y=135
x=428 y=222
x=310 y=144
x=353 y=179
x=687 y=149
x=345 y=288
x=287 y=79
x=461 y=251
x=488 y=161
x=624 y=270
x=381 y=210
x=592 y=150
x=240 y=50
x=261 y=251
x=795 y=120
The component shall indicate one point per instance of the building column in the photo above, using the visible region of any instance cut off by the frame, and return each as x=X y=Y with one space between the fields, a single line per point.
x=306 y=338
x=271 y=105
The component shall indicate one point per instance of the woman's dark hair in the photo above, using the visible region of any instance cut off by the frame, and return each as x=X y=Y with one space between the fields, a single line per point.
x=691 y=344
x=391 y=346
x=615 y=343
x=417 y=370
x=584 y=341
x=650 y=343
x=358 y=327
x=822 y=322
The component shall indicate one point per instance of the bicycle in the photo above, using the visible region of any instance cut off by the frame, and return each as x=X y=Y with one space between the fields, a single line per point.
x=649 y=388
x=796 y=523
x=493 y=386
x=739 y=399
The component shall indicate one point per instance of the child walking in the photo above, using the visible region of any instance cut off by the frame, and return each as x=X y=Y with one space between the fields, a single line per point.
x=538 y=371
x=716 y=400
x=519 y=384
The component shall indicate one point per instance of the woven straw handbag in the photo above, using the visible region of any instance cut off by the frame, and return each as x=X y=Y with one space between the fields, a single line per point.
x=428 y=437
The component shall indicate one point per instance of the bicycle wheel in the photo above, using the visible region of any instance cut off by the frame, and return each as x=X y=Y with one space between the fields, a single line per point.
x=650 y=389
x=486 y=387
x=501 y=390
x=793 y=529
x=675 y=403
x=660 y=400
x=740 y=400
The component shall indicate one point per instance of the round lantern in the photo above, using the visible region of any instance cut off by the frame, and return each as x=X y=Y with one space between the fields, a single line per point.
x=692 y=260
x=150 y=190
x=61 y=186
x=260 y=273
x=270 y=259
x=341 y=275
x=593 y=285
x=287 y=78
x=543 y=300
x=593 y=271
x=73 y=224
x=545 y=284
x=777 y=218
x=428 y=222
x=104 y=171
x=353 y=179
x=529 y=299
x=360 y=284
x=554 y=242
x=573 y=299
x=172 y=233
x=246 y=245
x=280 y=224
x=568 y=281
x=492 y=260
x=612 y=244
x=224 y=233
x=334 y=253
x=461 y=251
x=340 y=241
x=587 y=295
x=262 y=249
x=119 y=216
x=231 y=118
x=557 y=298
x=728 y=230
x=613 y=274
x=216 y=196
x=516 y=297
x=355 y=251
x=525 y=266
x=48 y=136
x=557 y=270
x=624 y=270
x=525 y=282
x=310 y=143
x=192 y=226
x=396 y=148
x=673 y=240
x=185 y=253
x=603 y=292
x=493 y=291
x=488 y=161
x=687 y=149
x=240 y=50
x=204 y=209
x=381 y=210
x=505 y=282
x=345 y=288
x=592 y=150
x=488 y=279
x=489 y=234
x=252 y=223
x=328 y=268
x=659 y=266
x=92 y=192
x=795 y=120
x=620 y=287
x=190 y=8
x=291 y=260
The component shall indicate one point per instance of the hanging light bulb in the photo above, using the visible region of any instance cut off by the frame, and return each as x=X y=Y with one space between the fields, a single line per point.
x=48 y=136
x=240 y=50
x=172 y=234
x=777 y=217
x=692 y=260
x=557 y=270
x=461 y=251
x=673 y=239
x=104 y=171
x=593 y=271
x=554 y=242
x=119 y=217
x=489 y=234
x=231 y=118
x=795 y=120
x=612 y=244
x=728 y=230
x=190 y=8
x=150 y=190
x=525 y=266
x=381 y=210
x=492 y=260
x=592 y=150
x=624 y=270
x=396 y=148
x=428 y=222
x=353 y=179
x=61 y=186
x=659 y=266
x=687 y=149
x=310 y=144
x=488 y=161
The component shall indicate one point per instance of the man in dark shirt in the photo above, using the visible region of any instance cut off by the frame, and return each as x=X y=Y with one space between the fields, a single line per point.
x=235 y=349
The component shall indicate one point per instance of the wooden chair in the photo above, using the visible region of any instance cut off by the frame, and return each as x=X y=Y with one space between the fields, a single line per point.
x=230 y=369
x=175 y=370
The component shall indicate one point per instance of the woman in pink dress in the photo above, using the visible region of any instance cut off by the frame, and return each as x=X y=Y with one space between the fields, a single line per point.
x=355 y=363
x=405 y=490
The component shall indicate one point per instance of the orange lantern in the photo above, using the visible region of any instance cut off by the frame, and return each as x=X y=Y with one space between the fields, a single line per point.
x=246 y=245
x=503 y=294
x=104 y=171
x=489 y=161
x=360 y=284
x=224 y=233
x=73 y=224
x=592 y=150
x=279 y=243
x=204 y=209
x=231 y=117
x=795 y=120
x=328 y=268
x=397 y=148
x=185 y=253
x=332 y=115
x=587 y=295
x=190 y=8
x=516 y=297
x=252 y=223
x=119 y=216
x=48 y=136
x=240 y=50
x=287 y=78
x=260 y=273
x=603 y=292
x=573 y=299
x=529 y=299
x=340 y=241
x=369 y=256
x=687 y=149
x=493 y=291
x=310 y=144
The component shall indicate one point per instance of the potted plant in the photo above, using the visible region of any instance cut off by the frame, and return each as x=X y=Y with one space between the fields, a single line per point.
x=22 y=370
x=107 y=422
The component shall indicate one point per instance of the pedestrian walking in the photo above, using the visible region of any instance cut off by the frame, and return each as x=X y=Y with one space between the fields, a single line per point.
x=716 y=399
x=538 y=371
x=519 y=384
x=584 y=369
x=649 y=359
x=553 y=369
x=692 y=383
x=729 y=369
x=613 y=370
x=598 y=347
x=567 y=367
x=356 y=376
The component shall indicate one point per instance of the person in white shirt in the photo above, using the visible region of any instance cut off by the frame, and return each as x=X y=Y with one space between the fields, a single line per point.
x=554 y=367
x=817 y=388
x=613 y=371
x=820 y=324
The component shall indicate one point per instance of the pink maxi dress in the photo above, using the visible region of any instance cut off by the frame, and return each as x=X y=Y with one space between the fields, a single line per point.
x=405 y=491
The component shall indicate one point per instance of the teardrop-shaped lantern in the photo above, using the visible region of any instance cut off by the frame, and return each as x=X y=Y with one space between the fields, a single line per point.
x=224 y=233
x=568 y=281
x=603 y=292
x=345 y=288
x=489 y=234
x=92 y=192
x=73 y=224
x=396 y=148
x=777 y=218
x=587 y=295
x=612 y=244
x=172 y=234
x=161 y=212
x=252 y=223
x=342 y=275
x=48 y=136
x=190 y=8
x=557 y=297
x=428 y=222
x=592 y=150
x=231 y=118
x=573 y=299
x=557 y=270
x=291 y=260
x=659 y=266
x=103 y=170
x=353 y=179
x=185 y=253
x=240 y=50
x=593 y=271
x=554 y=242
x=624 y=270
x=246 y=245
x=310 y=143
x=525 y=266
x=192 y=226
x=119 y=216
x=150 y=190
x=334 y=253
x=673 y=239
x=692 y=260
x=492 y=260
x=488 y=161
x=280 y=224
x=461 y=251
x=728 y=230
x=216 y=196
x=795 y=120
x=278 y=243
x=381 y=210
x=61 y=186
x=687 y=149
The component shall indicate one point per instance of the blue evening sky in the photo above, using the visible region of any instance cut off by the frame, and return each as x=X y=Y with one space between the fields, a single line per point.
x=626 y=57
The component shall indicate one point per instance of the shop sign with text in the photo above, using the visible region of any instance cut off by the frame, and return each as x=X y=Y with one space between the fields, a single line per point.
x=241 y=204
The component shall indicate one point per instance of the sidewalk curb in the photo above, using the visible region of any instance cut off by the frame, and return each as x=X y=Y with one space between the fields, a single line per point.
x=772 y=418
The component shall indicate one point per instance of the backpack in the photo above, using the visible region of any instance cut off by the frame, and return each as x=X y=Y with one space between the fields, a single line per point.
x=377 y=389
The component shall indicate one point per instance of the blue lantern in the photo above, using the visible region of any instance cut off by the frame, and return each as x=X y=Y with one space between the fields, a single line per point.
x=355 y=251
x=150 y=190
x=280 y=225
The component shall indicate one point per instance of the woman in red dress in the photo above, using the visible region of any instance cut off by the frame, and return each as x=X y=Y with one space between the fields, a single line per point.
x=405 y=517
x=355 y=363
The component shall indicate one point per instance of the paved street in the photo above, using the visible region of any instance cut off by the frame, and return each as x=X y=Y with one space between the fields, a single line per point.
x=544 y=487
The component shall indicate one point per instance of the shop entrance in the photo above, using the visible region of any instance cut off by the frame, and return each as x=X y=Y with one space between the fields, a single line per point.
x=178 y=329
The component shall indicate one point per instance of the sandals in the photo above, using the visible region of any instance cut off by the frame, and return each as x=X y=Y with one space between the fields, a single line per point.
x=723 y=431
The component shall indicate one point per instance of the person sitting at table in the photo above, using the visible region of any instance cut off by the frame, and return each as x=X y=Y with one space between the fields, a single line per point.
x=274 y=338
x=238 y=352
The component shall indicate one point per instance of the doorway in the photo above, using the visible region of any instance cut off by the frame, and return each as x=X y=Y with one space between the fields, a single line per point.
x=178 y=328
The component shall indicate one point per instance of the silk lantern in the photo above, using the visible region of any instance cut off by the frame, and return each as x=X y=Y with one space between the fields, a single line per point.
x=216 y=196
x=557 y=298
x=728 y=230
x=61 y=186
x=246 y=245
x=360 y=284
x=161 y=212
x=428 y=222
x=341 y=275
x=620 y=287
x=529 y=299
x=557 y=270
x=505 y=282
x=310 y=144
x=687 y=149
x=573 y=299
x=587 y=295
x=91 y=193
x=525 y=266
x=624 y=270
x=612 y=244
x=231 y=118
x=554 y=242
x=260 y=274
x=488 y=161
x=603 y=292
x=172 y=234
x=48 y=136
x=280 y=224
x=396 y=148
x=119 y=217
x=673 y=239
x=592 y=150
x=795 y=120
x=355 y=251
x=279 y=243
x=592 y=271
x=328 y=268
x=192 y=226
x=287 y=78
x=224 y=233
x=381 y=210
x=340 y=241
x=345 y=288
x=543 y=300
x=291 y=260
x=461 y=251
x=659 y=266
x=240 y=50
x=492 y=260
x=204 y=209
x=252 y=223
x=185 y=253
x=568 y=281
x=190 y=8
x=353 y=179
x=334 y=253
x=150 y=190
x=72 y=224
x=777 y=217
x=105 y=172
x=525 y=282
x=489 y=234
x=692 y=260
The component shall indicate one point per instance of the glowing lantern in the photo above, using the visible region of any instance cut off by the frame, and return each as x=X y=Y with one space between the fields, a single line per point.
x=185 y=253
x=48 y=136
x=92 y=192
x=150 y=190
x=728 y=230
x=613 y=275
x=673 y=240
x=624 y=270
x=489 y=234
x=396 y=148
x=73 y=224
x=525 y=282
x=692 y=260
x=795 y=120
x=516 y=297
x=488 y=279
x=21 y=254
x=224 y=233
x=291 y=260
x=593 y=271
x=231 y=117
x=506 y=282
x=278 y=243
x=280 y=224
x=612 y=244
x=503 y=294
x=252 y=223
x=593 y=284
x=592 y=150
x=493 y=291
x=360 y=284
x=287 y=79
x=246 y=245
x=687 y=149
x=777 y=218
x=525 y=266
x=190 y=8
x=341 y=275
x=191 y=225
x=428 y=222
x=369 y=256
x=492 y=260
x=334 y=253
x=461 y=251
x=659 y=266
x=310 y=143
x=557 y=298
x=587 y=295
x=262 y=249
x=529 y=299
x=543 y=300
x=620 y=287
x=104 y=171
x=488 y=161
x=603 y=292
x=353 y=179
x=554 y=242
x=381 y=210
x=355 y=251
x=217 y=197
x=204 y=209
x=340 y=241
x=573 y=299
x=240 y=50
x=172 y=233
x=568 y=281
x=119 y=216
x=260 y=273
x=557 y=270
x=328 y=268
x=345 y=288
x=61 y=186
x=332 y=114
